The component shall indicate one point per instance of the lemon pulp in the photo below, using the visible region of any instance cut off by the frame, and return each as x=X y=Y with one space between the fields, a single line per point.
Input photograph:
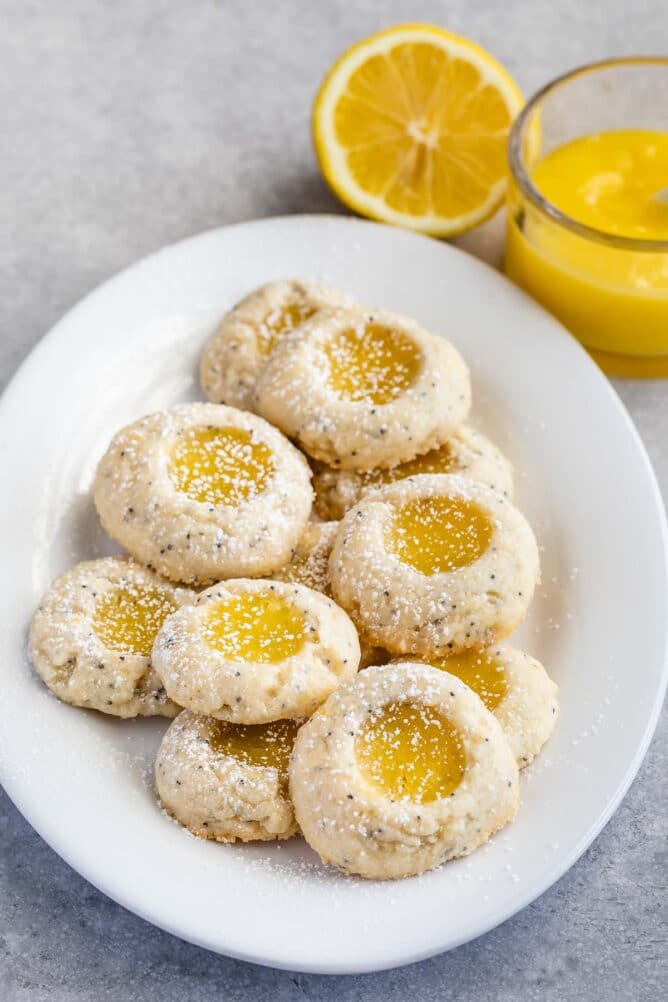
x=281 y=321
x=411 y=126
x=436 y=535
x=220 y=466
x=410 y=751
x=372 y=362
x=268 y=745
x=256 y=626
x=424 y=130
x=480 y=671
x=128 y=619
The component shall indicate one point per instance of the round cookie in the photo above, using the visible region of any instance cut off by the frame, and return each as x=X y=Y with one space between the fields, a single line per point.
x=515 y=688
x=255 y=651
x=466 y=452
x=91 y=637
x=359 y=390
x=401 y=769
x=235 y=354
x=226 y=781
x=310 y=566
x=434 y=564
x=203 y=492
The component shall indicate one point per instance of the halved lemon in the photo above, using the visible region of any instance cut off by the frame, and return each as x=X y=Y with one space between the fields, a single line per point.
x=410 y=127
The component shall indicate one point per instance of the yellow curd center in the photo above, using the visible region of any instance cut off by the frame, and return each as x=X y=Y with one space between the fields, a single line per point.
x=268 y=745
x=128 y=619
x=436 y=535
x=220 y=466
x=610 y=181
x=480 y=672
x=410 y=751
x=373 y=363
x=283 y=321
x=435 y=461
x=256 y=626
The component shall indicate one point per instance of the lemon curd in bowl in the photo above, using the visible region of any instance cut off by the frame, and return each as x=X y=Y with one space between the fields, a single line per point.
x=588 y=216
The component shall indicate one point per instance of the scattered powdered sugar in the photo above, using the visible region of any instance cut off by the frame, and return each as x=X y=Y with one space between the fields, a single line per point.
x=308 y=564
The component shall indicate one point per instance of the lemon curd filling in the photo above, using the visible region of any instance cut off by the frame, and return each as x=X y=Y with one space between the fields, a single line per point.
x=256 y=626
x=410 y=751
x=268 y=745
x=372 y=362
x=282 y=321
x=480 y=671
x=434 y=461
x=220 y=466
x=128 y=619
x=436 y=535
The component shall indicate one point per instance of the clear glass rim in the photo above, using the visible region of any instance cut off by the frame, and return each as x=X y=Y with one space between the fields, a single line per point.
x=526 y=185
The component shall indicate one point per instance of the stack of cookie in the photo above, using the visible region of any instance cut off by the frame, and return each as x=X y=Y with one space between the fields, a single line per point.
x=333 y=660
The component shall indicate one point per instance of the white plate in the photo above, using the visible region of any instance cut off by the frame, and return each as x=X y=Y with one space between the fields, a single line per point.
x=598 y=621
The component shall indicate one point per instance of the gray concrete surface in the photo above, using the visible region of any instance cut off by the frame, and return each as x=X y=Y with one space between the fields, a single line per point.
x=129 y=125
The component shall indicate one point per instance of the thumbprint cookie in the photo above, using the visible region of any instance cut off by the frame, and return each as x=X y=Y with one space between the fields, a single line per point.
x=203 y=492
x=358 y=390
x=400 y=770
x=434 y=564
x=252 y=651
x=92 y=635
x=227 y=781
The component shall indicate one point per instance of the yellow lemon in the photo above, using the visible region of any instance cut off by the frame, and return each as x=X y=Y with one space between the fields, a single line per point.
x=410 y=127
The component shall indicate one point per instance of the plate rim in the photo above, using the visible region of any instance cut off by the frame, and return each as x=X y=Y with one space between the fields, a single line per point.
x=549 y=875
